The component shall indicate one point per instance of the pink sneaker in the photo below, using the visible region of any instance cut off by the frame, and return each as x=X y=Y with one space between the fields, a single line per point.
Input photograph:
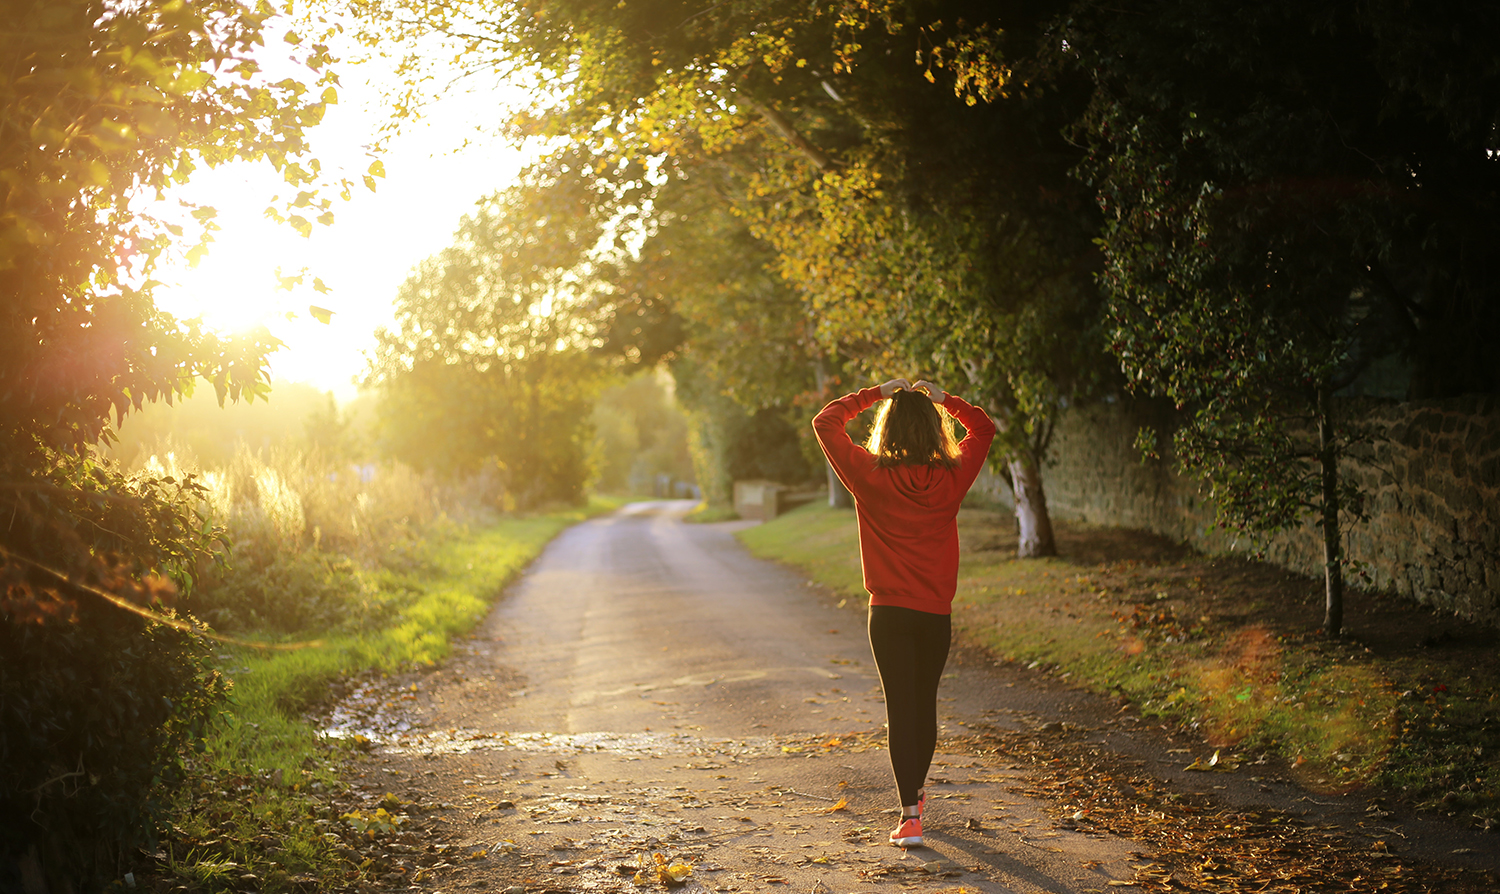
x=909 y=833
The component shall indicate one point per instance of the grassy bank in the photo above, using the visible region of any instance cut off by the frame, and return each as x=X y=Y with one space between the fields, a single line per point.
x=261 y=807
x=1408 y=701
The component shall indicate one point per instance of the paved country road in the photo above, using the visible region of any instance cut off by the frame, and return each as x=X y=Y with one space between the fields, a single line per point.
x=650 y=688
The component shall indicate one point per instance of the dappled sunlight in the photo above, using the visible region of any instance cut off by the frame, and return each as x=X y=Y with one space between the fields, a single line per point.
x=1348 y=730
x=1336 y=725
x=1240 y=683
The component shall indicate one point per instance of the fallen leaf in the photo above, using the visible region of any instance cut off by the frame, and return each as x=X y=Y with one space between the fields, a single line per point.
x=1214 y=763
x=841 y=805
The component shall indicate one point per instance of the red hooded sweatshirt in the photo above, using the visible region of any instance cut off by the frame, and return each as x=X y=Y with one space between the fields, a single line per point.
x=908 y=528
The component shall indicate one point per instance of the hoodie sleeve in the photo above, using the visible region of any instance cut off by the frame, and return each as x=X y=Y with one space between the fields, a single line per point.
x=975 y=446
x=851 y=462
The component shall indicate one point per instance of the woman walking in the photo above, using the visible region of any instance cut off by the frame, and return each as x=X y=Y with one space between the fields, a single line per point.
x=907 y=488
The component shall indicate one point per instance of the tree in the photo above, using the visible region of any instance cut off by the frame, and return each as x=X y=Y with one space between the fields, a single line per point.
x=102 y=106
x=493 y=363
x=950 y=239
x=921 y=226
x=746 y=366
x=641 y=435
x=1290 y=198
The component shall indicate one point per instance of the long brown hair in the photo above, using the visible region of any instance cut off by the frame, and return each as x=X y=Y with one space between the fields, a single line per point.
x=909 y=431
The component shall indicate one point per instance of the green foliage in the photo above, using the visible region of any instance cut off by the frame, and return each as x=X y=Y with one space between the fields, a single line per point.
x=747 y=367
x=640 y=432
x=520 y=425
x=730 y=442
x=102 y=107
x=286 y=593
x=1273 y=221
x=97 y=718
x=915 y=227
x=744 y=330
x=98 y=704
x=1280 y=216
x=309 y=542
x=492 y=367
x=766 y=444
x=265 y=749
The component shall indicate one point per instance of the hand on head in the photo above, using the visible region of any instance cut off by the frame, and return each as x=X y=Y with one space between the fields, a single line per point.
x=894 y=385
x=936 y=394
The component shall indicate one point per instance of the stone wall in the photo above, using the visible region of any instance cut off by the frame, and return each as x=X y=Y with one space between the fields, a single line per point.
x=1431 y=475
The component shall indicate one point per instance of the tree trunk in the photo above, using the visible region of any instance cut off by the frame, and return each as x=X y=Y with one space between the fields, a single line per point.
x=1031 y=509
x=838 y=495
x=1333 y=559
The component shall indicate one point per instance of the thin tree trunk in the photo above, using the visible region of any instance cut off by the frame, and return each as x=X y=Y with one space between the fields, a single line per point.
x=838 y=495
x=1031 y=509
x=1333 y=559
x=783 y=128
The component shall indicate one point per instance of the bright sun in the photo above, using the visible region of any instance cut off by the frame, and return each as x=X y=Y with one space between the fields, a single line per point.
x=233 y=287
x=363 y=257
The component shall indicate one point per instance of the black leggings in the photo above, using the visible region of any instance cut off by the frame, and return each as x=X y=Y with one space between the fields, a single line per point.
x=910 y=650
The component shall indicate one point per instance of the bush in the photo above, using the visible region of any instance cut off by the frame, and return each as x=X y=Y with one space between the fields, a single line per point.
x=97 y=704
x=100 y=707
x=96 y=717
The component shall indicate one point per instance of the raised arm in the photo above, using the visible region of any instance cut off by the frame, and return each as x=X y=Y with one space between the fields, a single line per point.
x=849 y=460
x=975 y=446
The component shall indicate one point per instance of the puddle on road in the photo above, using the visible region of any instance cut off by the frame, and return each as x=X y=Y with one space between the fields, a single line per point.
x=458 y=741
x=372 y=714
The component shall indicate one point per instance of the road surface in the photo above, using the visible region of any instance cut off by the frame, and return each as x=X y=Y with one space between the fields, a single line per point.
x=649 y=688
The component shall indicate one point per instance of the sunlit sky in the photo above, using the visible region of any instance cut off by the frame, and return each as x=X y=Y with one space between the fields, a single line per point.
x=435 y=171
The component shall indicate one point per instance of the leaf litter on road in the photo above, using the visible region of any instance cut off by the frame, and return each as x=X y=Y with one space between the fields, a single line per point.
x=1198 y=845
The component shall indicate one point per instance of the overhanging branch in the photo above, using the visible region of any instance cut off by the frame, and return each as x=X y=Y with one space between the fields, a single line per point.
x=786 y=131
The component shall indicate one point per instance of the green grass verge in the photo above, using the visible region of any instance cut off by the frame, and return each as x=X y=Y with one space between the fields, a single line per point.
x=1213 y=644
x=704 y=513
x=253 y=805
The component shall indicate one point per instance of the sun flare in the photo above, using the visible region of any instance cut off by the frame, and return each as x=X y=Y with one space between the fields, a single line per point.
x=250 y=275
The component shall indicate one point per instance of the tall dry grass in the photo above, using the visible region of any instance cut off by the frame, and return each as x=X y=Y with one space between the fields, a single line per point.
x=314 y=544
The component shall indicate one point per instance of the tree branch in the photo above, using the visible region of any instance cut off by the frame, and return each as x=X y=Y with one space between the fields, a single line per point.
x=786 y=131
x=148 y=614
